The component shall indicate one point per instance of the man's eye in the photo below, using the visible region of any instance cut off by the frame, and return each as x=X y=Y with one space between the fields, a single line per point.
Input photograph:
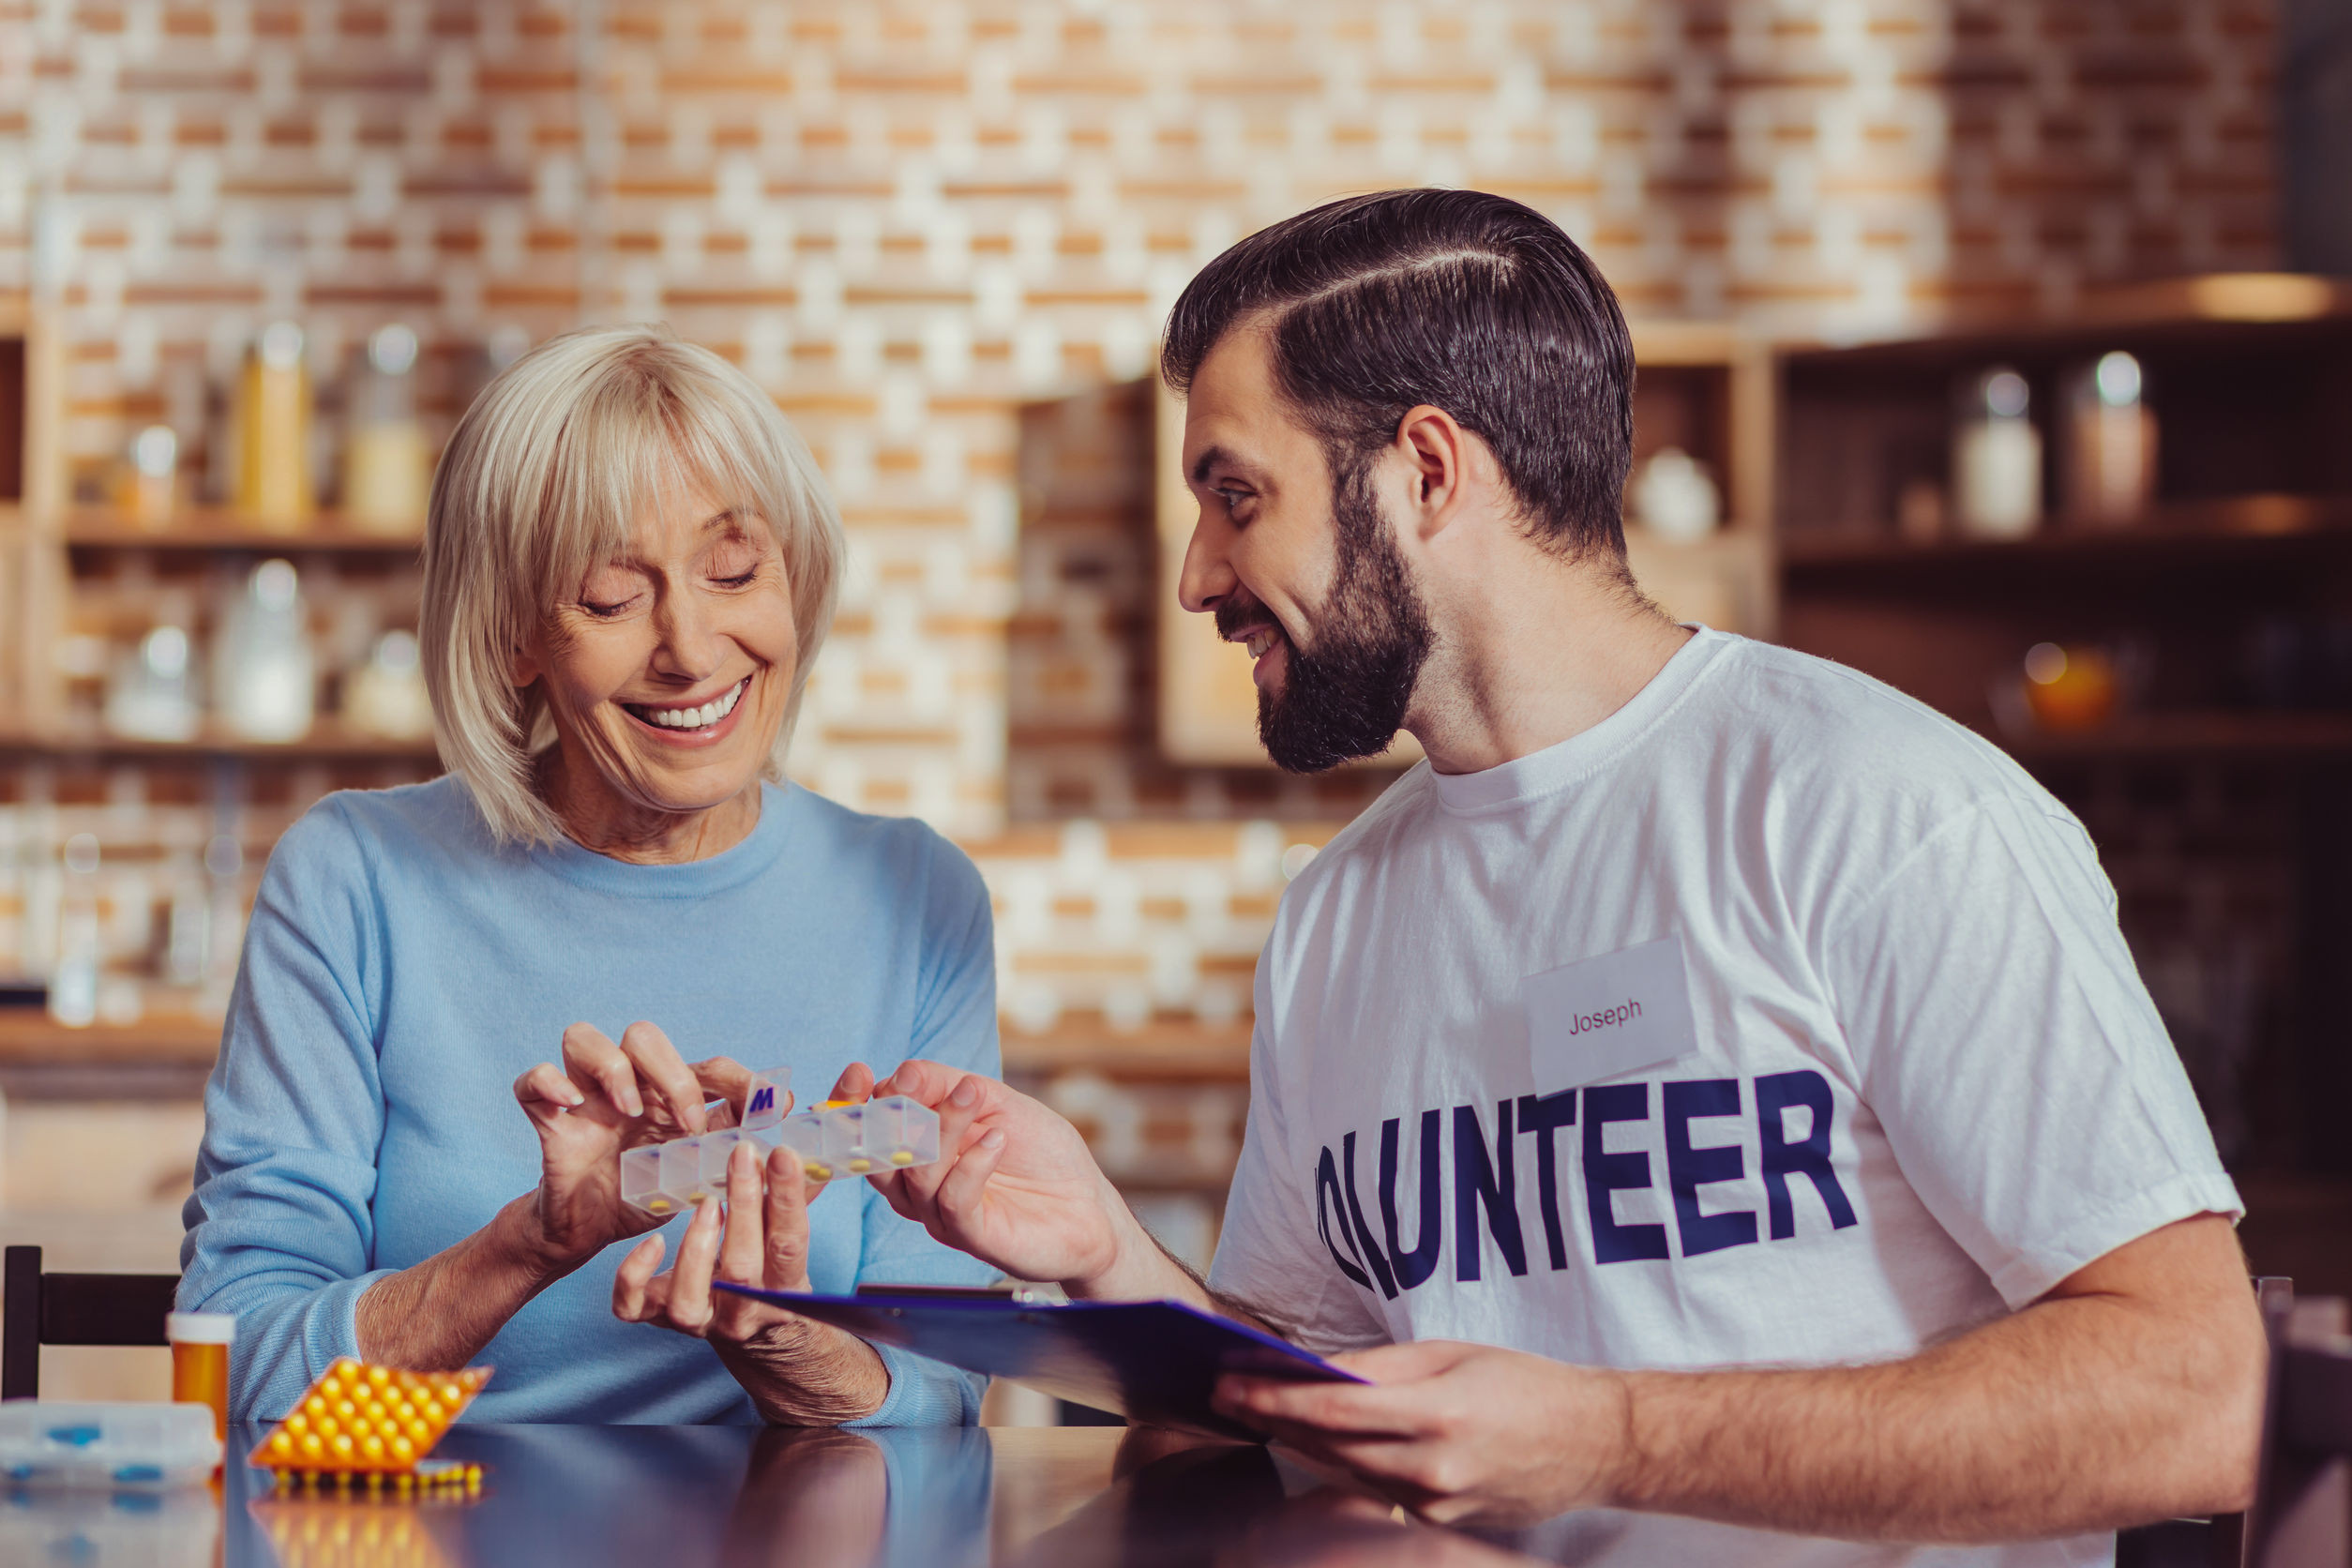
x=1233 y=499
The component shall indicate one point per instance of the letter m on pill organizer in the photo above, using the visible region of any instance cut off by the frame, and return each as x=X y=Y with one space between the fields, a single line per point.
x=840 y=1138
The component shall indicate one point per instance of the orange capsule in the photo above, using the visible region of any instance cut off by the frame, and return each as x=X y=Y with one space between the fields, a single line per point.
x=316 y=1405
x=297 y=1423
x=402 y=1448
x=378 y=1377
x=313 y=1446
x=451 y=1394
x=281 y=1443
x=342 y=1444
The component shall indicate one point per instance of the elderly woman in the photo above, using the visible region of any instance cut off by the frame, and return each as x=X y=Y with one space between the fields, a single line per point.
x=631 y=564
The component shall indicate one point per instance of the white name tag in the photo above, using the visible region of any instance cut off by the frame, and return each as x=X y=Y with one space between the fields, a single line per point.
x=1603 y=1017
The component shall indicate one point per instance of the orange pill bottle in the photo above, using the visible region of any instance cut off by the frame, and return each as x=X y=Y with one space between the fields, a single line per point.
x=199 y=1362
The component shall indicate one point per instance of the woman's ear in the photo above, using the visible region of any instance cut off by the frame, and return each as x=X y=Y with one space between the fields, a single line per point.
x=523 y=665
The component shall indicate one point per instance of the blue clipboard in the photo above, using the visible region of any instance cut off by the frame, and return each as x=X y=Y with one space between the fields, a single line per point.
x=1153 y=1362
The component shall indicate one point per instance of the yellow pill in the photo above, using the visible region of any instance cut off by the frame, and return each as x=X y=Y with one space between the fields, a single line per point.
x=432 y=1411
x=297 y=1423
x=402 y=1448
x=281 y=1444
x=902 y=1157
x=342 y=1443
x=328 y=1427
x=372 y=1447
x=345 y=1408
x=313 y=1446
x=659 y=1205
x=315 y=1405
x=861 y=1167
x=420 y=1432
x=451 y=1394
x=818 y=1172
x=379 y=1376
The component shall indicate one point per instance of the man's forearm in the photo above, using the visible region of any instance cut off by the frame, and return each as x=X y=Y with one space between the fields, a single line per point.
x=2056 y=1420
x=439 y=1314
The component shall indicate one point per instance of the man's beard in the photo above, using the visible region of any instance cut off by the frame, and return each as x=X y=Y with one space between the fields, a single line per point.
x=1346 y=697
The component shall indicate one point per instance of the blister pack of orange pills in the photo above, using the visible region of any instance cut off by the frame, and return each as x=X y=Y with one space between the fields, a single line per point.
x=360 y=1419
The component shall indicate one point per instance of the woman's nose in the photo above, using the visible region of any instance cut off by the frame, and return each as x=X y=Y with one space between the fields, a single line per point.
x=692 y=644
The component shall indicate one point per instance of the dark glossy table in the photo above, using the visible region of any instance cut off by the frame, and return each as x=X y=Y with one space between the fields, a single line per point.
x=685 y=1497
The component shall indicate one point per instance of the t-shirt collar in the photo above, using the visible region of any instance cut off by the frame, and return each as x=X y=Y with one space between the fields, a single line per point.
x=1555 y=767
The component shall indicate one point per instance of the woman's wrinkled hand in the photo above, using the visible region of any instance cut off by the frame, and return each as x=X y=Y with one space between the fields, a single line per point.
x=798 y=1372
x=604 y=1099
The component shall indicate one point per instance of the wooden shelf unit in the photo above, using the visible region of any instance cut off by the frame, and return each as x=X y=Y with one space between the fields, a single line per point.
x=2227 y=607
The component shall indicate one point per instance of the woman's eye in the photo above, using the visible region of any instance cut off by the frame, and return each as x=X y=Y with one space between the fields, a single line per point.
x=605 y=611
x=740 y=580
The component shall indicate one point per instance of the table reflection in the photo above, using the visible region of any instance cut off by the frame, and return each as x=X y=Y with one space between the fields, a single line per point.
x=740 y=1498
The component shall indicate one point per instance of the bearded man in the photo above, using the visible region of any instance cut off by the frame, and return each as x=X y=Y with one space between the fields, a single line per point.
x=1713 y=1083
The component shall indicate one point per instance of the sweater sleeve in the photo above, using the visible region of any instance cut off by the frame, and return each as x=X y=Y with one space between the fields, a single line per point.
x=955 y=1022
x=280 y=1233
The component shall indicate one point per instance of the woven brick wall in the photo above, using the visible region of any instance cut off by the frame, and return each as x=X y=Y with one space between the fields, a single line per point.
x=943 y=235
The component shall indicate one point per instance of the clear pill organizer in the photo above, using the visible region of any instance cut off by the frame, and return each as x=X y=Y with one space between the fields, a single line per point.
x=113 y=1447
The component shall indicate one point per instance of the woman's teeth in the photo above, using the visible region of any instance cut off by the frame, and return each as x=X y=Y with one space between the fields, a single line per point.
x=703 y=717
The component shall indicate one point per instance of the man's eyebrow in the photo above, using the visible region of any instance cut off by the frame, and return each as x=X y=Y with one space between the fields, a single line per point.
x=1212 y=458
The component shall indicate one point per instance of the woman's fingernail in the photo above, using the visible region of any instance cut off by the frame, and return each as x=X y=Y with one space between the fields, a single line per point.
x=994 y=1140
x=966 y=1094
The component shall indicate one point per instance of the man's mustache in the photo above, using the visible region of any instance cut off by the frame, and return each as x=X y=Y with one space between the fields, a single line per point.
x=1239 y=612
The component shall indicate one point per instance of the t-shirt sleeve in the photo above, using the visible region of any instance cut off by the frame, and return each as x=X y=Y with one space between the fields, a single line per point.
x=1271 y=1258
x=2006 y=1044
x=280 y=1233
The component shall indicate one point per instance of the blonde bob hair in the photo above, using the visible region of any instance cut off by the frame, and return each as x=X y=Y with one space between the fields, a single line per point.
x=543 y=481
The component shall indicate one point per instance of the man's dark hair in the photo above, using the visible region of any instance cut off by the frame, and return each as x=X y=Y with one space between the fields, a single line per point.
x=1462 y=300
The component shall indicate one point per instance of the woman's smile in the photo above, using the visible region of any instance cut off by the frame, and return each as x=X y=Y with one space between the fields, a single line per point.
x=690 y=723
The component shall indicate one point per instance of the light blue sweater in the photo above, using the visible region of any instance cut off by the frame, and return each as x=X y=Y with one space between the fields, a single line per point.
x=401 y=971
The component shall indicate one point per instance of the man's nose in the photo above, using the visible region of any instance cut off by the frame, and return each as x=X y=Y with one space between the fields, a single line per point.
x=1208 y=574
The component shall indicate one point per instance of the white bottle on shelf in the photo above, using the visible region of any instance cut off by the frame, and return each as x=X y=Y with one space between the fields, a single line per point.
x=1997 y=459
x=265 y=671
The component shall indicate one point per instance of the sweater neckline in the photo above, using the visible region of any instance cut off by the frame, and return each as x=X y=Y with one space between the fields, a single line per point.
x=730 y=867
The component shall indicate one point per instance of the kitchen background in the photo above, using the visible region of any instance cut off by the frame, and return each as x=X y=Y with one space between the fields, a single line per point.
x=256 y=257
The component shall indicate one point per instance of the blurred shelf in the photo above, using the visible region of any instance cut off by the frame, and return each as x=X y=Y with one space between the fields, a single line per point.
x=30 y=1037
x=2178 y=735
x=324 y=743
x=1161 y=1050
x=2180 y=531
x=2271 y=307
x=206 y=528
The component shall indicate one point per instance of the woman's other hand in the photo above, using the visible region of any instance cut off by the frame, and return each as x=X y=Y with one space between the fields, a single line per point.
x=604 y=1099
x=798 y=1372
x=1016 y=1187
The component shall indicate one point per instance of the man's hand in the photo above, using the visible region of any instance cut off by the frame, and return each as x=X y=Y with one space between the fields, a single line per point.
x=604 y=1099
x=2131 y=1391
x=1454 y=1432
x=1016 y=1187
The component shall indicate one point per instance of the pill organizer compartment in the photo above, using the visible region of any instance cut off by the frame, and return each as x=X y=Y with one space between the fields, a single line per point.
x=110 y=1446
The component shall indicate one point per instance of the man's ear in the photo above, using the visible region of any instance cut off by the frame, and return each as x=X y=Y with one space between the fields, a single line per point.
x=1437 y=451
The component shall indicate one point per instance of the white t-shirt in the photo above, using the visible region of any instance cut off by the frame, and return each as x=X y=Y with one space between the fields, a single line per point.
x=1906 y=1077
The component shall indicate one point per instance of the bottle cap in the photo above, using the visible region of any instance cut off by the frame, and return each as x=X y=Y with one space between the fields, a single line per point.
x=200 y=1327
